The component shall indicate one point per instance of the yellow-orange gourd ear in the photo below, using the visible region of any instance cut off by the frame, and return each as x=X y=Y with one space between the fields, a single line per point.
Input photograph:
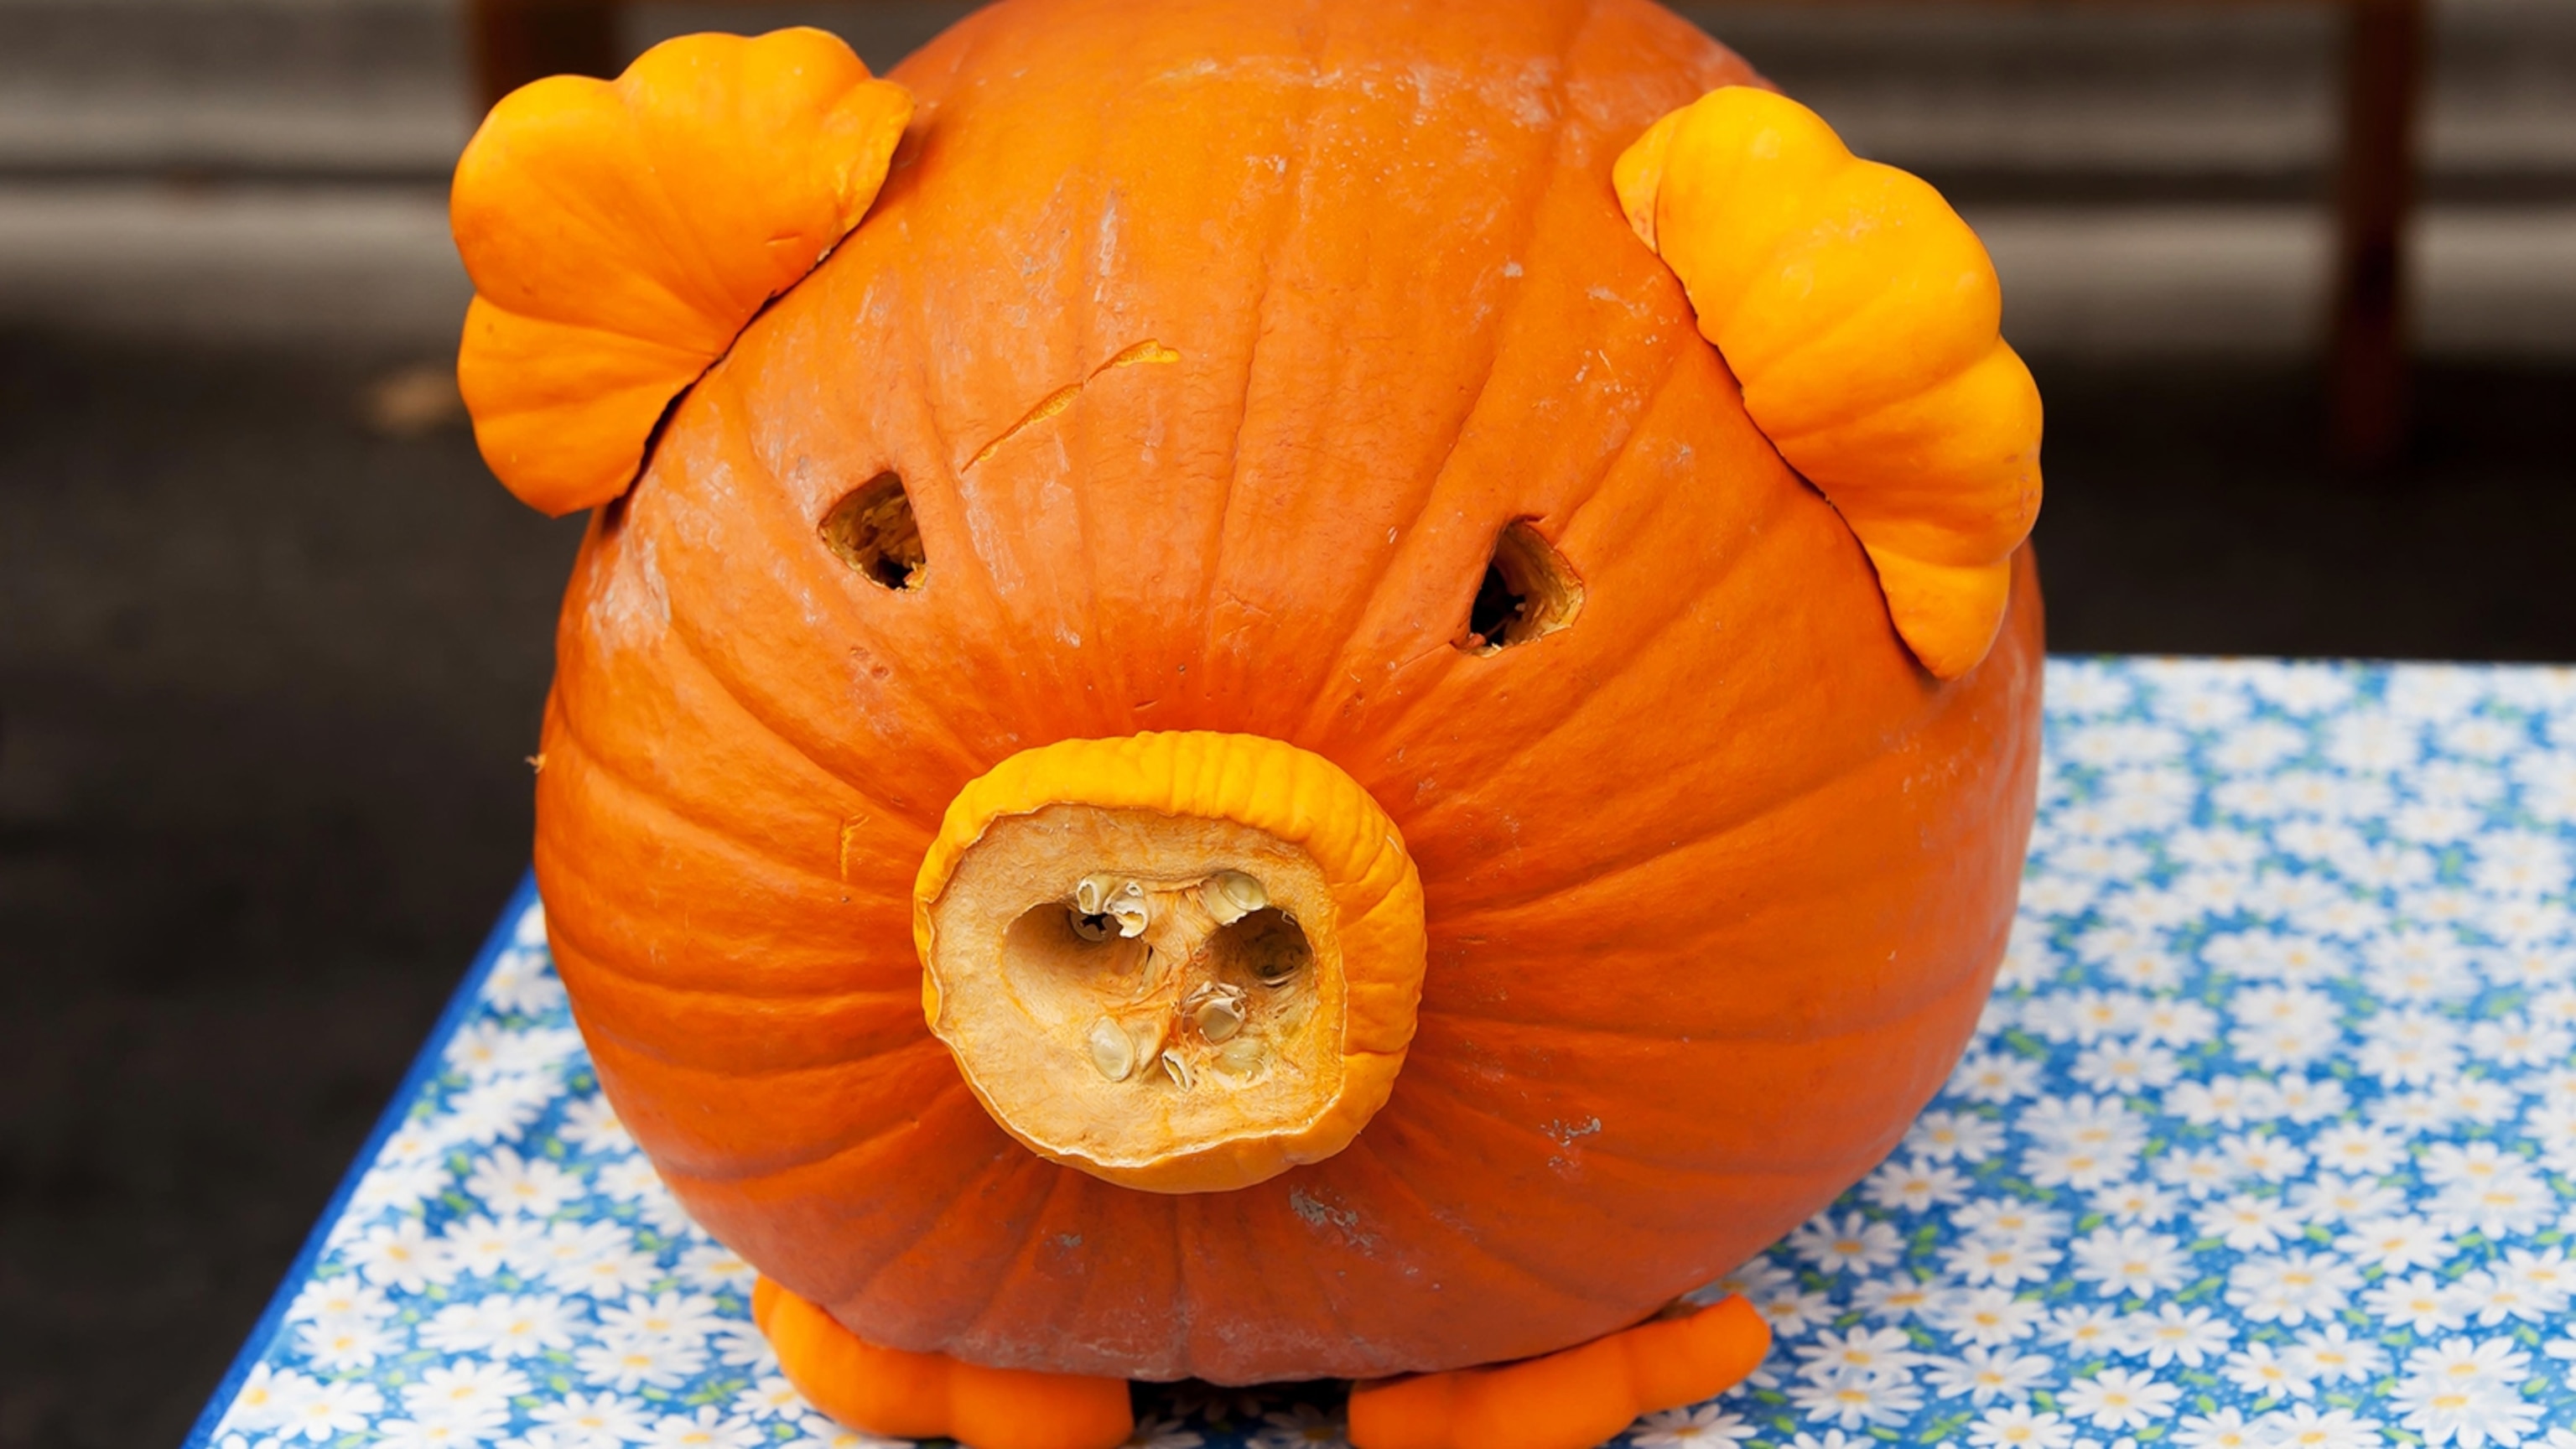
x=1860 y=315
x=621 y=233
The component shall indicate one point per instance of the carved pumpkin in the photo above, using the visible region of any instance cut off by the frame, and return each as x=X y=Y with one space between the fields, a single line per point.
x=1220 y=749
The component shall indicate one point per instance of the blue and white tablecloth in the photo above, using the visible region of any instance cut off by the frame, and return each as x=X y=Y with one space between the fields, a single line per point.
x=2268 y=1138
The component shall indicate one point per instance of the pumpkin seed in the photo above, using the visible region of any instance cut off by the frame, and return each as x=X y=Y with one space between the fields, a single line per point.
x=1218 y=1018
x=1241 y=1056
x=1230 y=895
x=1112 y=1053
x=1127 y=905
x=1178 y=1070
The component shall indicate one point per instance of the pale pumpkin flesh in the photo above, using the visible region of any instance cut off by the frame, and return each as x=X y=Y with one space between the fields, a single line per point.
x=1182 y=963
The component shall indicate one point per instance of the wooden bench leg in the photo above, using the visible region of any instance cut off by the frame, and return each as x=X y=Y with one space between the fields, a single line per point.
x=512 y=42
x=2383 y=85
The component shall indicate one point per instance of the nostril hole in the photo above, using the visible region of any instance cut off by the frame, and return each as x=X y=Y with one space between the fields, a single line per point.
x=1529 y=592
x=1497 y=606
x=873 y=531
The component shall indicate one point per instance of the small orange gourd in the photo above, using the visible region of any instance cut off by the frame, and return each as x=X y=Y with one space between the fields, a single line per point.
x=1353 y=693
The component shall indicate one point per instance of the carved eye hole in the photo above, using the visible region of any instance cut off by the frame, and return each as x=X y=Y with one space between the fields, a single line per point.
x=1529 y=592
x=873 y=531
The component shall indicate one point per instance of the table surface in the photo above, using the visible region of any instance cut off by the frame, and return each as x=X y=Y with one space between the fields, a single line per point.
x=2268 y=1137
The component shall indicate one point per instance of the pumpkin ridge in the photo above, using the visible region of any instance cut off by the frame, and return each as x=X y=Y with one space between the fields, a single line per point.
x=1425 y=827
x=1349 y=612
x=1467 y=1104
x=1421 y=1218
x=1604 y=873
x=1391 y=729
x=1390 y=1166
x=1566 y=191
x=1301 y=166
x=686 y=638
x=707 y=1053
x=1021 y=1258
x=652 y=798
x=889 y=1250
x=995 y=1280
x=1531 y=207
x=865 y=1066
x=1848 y=1167
x=704 y=844
x=550 y=868
x=1532 y=742
x=1845 y=1026
x=1446 y=1075
x=940 y=489
x=1184 y=1301
x=919 y=348
x=1333 y=1304
x=1675 y=353
x=628 y=977
x=700 y=1056
x=1086 y=328
x=905 y=999
x=888 y=1246
x=686 y=630
x=1575 y=1267
x=1859 y=410
x=750 y=1167
x=1495 y=336
x=711 y=839
x=959 y=548
x=957 y=460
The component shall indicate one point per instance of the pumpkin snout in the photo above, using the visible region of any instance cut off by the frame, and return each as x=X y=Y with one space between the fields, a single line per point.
x=1180 y=962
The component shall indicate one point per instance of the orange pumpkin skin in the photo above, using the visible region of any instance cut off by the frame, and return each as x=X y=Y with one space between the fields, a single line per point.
x=1715 y=878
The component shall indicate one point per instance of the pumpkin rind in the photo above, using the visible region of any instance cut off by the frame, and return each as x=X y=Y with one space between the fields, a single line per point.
x=1715 y=878
x=928 y=1396
x=1571 y=1399
x=1861 y=315
x=619 y=233
x=1367 y=915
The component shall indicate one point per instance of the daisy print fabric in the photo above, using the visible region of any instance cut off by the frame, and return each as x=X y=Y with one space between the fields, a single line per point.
x=2268 y=1138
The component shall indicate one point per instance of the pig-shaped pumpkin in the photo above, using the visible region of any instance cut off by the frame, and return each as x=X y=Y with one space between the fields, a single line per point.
x=1258 y=690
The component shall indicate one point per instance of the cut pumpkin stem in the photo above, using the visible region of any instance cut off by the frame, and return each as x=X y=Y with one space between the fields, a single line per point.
x=1181 y=962
x=1572 y=1399
x=930 y=1395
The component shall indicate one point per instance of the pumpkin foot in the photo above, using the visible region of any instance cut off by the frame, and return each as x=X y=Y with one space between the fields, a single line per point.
x=930 y=1395
x=1570 y=1399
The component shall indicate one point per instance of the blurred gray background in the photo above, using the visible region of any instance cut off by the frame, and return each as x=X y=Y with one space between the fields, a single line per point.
x=272 y=642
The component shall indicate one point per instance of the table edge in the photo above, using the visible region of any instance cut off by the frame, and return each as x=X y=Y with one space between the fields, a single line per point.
x=460 y=1004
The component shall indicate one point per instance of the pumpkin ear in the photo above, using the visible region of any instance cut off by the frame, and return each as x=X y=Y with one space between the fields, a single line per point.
x=1859 y=314
x=621 y=233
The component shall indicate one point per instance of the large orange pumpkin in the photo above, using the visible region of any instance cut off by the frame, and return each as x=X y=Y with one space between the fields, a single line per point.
x=1200 y=365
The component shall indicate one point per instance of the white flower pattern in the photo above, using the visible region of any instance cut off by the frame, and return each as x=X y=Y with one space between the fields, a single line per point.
x=2266 y=1139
